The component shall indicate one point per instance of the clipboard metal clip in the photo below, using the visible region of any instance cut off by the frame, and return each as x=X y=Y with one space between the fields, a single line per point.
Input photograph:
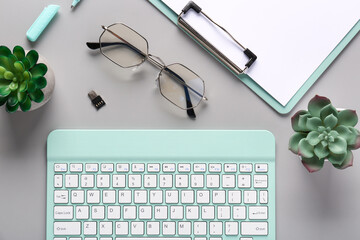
x=211 y=48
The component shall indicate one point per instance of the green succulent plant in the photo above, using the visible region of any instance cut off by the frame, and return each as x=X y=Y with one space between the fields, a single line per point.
x=21 y=78
x=322 y=132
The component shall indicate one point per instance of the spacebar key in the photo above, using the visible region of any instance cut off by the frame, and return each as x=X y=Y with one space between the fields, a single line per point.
x=170 y=238
x=67 y=228
x=254 y=228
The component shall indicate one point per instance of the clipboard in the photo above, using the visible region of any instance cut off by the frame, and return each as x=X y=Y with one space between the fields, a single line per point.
x=255 y=87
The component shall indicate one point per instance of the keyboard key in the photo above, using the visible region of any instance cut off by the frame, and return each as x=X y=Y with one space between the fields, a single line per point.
x=250 y=196
x=150 y=181
x=71 y=181
x=246 y=167
x=203 y=196
x=166 y=181
x=63 y=212
x=82 y=212
x=122 y=167
x=113 y=212
x=140 y=196
x=260 y=181
x=145 y=212
x=138 y=167
x=134 y=181
x=239 y=212
x=122 y=228
x=181 y=181
x=176 y=212
x=263 y=197
x=168 y=229
x=129 y=212
x=93 y=196
x=218 y=196
x=172 y=196
x=258 y=213
x=207 y=212
x=187 y=196
x=61 y=196
x=223 y=212
x=60 y=167
x=108 y=196
x=124 y=196
x=156 y=196
x=234 y=196
x=216 y=228
x=97 y=212
x=76 y=167
x=89 y=228
x=184 y=167
x=67 y=228
x=192 y=212
x=199 y=167
x=228 y=181
x=254 y=228
x=153 y=228
x=214 y=167
x=91 y=167
x=231 y=228
x=58 y=181
x=244 y=181
x=230 y=167
x=261 y=167
x=161 y=212
x=118 y=181
x=105 y=228
x=197 y=181
x=200 y=228
x=169 y=167
x=103 y=181
x=107 y=167
x=153 y=167
x=87 y=181
x=212 y=181
x=137 y=228
x=184 y=228
x=77 y=196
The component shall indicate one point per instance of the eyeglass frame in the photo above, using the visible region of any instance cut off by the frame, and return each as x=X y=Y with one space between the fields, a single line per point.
x=157 y=62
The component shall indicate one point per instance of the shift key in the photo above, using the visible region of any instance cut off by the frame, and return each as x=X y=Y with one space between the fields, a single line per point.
x=67 y=228
x=254 y=228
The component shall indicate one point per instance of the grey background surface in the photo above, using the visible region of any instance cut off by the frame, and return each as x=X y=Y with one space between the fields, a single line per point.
x=323 y=205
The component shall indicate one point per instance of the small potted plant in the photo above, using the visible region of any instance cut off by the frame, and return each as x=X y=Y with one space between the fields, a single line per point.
x=25 y=84
x=324 y=133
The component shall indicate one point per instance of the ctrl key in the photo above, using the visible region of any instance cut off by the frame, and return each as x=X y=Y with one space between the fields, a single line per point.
x=254 y=228
x=67 y=228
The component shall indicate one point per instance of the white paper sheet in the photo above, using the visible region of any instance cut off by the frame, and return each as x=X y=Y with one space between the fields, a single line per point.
x=290 y=38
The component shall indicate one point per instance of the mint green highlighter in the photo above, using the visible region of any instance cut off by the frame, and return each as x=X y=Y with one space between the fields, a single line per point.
x=160 y=184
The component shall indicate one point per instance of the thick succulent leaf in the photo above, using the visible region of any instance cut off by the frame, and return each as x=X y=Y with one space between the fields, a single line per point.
x=337 y=159
x=31 y=87
x=27 y=75
x=306 y=149
x=348 y=118
x=328 y=110
x=313 y=123
x=21 y=96
x=3 y=100
x=12 y=59
x=346 y=133
x=4 y=88
x=356 y=143
x=4 y=51
x=26 y=63
x=19 y=52
x=334 y=133
x=294 y=142
x=37 y=95
x=313 y=138
x=321 y=151
x=11 y=109
x=302 y=122
x=33 y=57
x=339 y=146
x=13 y=86
x=348 y=161
x=26 y=105
x=23 y=86
x=12 y=100
x=38 y=70
x=295 y=120
x=40 y=82
x=312 y=164
x=316 y=104
x=4 y=62
x=8 y=75
x=330 y=121
x=2 y=71
x=19 y=66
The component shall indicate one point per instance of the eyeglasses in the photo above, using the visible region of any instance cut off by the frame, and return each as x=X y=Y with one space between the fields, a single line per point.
x=127 y=48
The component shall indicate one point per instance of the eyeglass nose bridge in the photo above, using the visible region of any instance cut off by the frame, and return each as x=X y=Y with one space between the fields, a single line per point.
x=156 y=61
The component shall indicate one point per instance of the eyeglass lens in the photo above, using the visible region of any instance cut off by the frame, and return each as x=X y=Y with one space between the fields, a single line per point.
x=123 y=46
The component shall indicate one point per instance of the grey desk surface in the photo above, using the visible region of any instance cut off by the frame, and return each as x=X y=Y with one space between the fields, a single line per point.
x=323 y=205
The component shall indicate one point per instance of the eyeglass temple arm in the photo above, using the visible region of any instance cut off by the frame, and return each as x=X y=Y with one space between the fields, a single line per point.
x=96 y=45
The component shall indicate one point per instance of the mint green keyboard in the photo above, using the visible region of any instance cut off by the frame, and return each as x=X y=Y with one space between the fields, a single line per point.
x=160 y=184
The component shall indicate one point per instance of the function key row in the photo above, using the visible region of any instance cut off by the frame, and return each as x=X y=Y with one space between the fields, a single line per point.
x=165 y=167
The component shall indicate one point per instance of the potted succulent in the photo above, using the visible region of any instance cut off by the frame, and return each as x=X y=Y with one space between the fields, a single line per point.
x=324 y=133
x=25 y=82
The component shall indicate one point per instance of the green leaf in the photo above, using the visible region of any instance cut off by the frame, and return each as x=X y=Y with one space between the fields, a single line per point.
x=3 y=100
x=26 y=105
x=27 y=75
x=23 y=86
x=294 y=142
x=316 y=104
x=12 y=59
x=337 y=159
x=26 y=63
x=295 y=120
x=328 y=110
x=339 y=146
x=347 y=162
x=4 y=51
x=39 y=70
x=313 y=123
x=19 y=52
x=313 y=138
x=4 y=62
x=348 y=118
x=306 y=149
x=2 y=71
x=345 y=133
x=312 y=164
x=11 y=109
x=303 y=120
x=40 y=82
x=321 y=151
x=33 y=57
x=8 y=75
x=31 y=87
x=12 y=100
x=19 y=66
x=37 y=95
x=21 y=96
x=13 y=86
x=4 y=88
x=330 y=121
x=356 y=143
